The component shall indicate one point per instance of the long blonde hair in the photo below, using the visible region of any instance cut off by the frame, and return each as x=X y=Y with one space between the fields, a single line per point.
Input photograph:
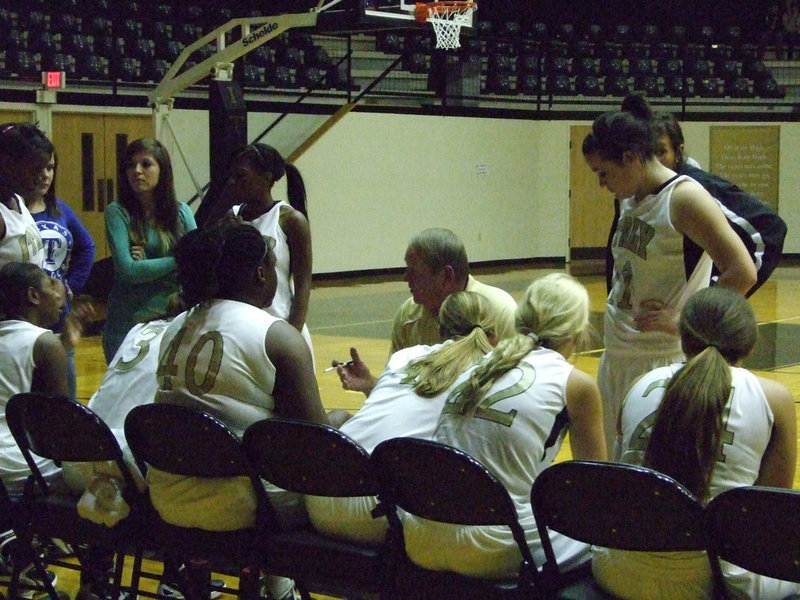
x=553 y=311
x=468 y=321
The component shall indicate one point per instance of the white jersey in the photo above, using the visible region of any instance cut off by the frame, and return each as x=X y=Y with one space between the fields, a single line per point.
x=130 y=379
x=269 y=224
x=516 y=431
x=17 y=339
x=392 y=408
x=648 y=265
x=748 y=423
x=22 y=242
x=212 y=357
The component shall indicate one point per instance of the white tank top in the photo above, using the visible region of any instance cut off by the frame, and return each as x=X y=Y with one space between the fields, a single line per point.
x=748 y=425
x=392 y=408
x=130 y=379
x=22 y=242
x=516 y=432
x=269 y=224
x=17 y=339
x=648 y=265
x=212 y=357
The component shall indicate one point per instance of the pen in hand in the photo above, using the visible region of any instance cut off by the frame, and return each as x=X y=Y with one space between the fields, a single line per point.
x=346 y=364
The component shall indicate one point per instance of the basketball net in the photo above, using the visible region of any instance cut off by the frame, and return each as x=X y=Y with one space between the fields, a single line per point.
x=447 y=19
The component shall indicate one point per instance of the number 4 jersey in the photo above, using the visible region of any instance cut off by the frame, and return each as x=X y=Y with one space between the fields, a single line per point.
x=747 y=417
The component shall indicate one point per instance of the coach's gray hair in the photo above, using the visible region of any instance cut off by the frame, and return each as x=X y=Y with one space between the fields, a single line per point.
x=442 y=247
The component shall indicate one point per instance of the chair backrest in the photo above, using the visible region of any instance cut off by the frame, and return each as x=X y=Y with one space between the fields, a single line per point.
x=187 y=441
x=309 y=458
x=432 y=480
x=62 y=430
x=184 y=441
x=441 y=483
x=758 y=529
x=617 y=506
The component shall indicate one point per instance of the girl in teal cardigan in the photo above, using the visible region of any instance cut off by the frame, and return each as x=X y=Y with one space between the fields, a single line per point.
x=142 y=228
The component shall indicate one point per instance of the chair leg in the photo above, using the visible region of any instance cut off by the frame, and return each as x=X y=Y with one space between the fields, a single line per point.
x=249 y=584
x=304 y=593
x=136 y=572
x=119 y=567
x=198 y=579
x=22 y=553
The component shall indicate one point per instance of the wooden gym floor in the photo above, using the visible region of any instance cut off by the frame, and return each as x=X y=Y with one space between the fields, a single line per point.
x=358 y=311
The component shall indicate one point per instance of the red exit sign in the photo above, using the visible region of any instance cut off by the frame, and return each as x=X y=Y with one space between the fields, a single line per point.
x=54 y=79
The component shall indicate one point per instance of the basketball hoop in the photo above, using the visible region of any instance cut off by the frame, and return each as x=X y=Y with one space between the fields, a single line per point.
x=447 y=19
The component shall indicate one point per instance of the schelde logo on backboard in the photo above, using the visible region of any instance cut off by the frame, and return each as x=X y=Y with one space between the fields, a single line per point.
x=259 y=33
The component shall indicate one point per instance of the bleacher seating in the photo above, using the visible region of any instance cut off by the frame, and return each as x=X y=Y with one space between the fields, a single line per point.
x=626 y=55
x=92 y=67
x=618 y=85
x=588 y=84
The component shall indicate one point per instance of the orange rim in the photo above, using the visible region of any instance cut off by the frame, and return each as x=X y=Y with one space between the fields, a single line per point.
x=422 y=9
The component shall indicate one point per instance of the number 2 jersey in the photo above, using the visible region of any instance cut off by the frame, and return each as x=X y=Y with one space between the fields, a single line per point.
x=515 y=431
x=747 y=420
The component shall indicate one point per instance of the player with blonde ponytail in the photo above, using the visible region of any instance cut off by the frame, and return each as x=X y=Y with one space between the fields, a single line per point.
x=512 y=412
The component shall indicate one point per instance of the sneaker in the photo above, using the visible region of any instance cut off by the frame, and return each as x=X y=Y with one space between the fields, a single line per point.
x=28 y=577
x=31 y=585
x=171 y=591
x=293 y=594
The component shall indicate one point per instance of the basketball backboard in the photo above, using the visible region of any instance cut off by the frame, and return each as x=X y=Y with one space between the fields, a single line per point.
x=361 y=15
x=399 y=13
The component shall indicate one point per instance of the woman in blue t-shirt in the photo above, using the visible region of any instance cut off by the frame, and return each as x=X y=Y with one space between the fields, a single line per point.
x=68 y=246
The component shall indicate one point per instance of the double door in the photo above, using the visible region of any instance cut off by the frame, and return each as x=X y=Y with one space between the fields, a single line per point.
x=88 y=147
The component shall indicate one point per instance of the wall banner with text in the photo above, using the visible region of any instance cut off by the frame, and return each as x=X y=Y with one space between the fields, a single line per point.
x=748 y=156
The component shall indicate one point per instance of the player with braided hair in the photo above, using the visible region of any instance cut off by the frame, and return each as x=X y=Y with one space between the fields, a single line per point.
x=252 y=366
x=511 y=412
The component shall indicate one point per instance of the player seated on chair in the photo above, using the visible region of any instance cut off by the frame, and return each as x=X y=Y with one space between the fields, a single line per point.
x=436 y=266
x=713 y=426
x=265 y=369
x=511 y=412
x=130 y=379
x=406 y=401
x=32 y=357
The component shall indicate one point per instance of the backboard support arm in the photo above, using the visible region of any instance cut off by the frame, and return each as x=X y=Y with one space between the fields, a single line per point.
x=255 y=31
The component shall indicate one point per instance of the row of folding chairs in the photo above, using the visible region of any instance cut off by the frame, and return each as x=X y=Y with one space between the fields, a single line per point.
x=605 y=504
